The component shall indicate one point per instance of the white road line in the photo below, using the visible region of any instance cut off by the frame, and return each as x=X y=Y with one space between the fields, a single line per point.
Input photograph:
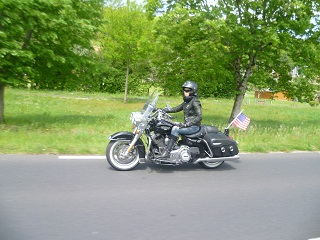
x=314 y=238
x=80 y=157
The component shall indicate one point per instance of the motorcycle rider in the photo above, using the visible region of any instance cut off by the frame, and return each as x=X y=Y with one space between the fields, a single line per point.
x=191 y=107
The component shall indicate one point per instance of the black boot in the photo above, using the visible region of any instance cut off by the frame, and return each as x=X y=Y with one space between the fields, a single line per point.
x=171 y=142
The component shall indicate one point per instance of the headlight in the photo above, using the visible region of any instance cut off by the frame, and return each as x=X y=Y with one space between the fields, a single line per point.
x=132 y=119
x=136 y=118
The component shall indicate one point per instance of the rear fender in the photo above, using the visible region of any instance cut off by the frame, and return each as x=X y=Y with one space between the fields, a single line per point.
x=129 y=136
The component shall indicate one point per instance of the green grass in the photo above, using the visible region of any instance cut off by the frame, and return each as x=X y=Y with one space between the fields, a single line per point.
x=80 y=123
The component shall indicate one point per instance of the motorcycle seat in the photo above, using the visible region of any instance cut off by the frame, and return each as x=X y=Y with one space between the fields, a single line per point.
x=204 y=129
x=211 y=129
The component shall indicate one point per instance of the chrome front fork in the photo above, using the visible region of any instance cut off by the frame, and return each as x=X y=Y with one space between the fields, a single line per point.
x=134 y=140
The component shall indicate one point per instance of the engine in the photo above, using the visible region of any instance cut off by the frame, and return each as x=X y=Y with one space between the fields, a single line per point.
x=158 y=140
x=181 y=155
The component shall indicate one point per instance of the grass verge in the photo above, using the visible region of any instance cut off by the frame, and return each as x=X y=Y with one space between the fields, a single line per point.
x=79 y=123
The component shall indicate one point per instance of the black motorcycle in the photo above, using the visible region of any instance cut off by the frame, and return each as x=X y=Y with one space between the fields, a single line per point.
x=209 y=147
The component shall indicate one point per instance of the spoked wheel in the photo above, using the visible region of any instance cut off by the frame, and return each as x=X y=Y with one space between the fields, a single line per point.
x=117 y=157
x=211 y=165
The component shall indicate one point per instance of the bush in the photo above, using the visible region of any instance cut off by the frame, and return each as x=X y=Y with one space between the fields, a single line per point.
x=314 y=103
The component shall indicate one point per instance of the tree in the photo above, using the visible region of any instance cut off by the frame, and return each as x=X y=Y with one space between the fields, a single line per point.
x=188 y=47
x=260 y=33
x=124 y=39
x=45 y=42
x=259 y=42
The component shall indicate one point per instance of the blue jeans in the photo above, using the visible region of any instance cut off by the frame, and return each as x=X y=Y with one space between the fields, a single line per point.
x=184 y=131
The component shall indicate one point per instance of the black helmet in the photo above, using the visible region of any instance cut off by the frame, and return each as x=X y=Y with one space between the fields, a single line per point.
x=193 y=86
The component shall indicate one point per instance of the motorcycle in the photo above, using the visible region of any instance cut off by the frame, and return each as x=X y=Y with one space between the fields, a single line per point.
x=208 y=147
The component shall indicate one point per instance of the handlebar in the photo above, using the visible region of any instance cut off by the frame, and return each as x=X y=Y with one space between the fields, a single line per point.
x=166 y=115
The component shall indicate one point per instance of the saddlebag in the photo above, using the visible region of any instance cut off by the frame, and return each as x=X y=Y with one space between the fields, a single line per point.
x=221 y=145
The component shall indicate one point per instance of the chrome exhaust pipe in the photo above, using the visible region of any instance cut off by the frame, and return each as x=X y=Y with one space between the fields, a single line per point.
x=218 y=159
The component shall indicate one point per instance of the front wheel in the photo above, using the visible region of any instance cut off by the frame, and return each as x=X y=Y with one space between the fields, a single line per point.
x=211 y=165
x=117 y=157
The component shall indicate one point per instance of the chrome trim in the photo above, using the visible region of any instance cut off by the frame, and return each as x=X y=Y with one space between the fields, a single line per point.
x=216 y=144
x=119 y=139
x=210 y=152
x=218 y=159
x=149 y=147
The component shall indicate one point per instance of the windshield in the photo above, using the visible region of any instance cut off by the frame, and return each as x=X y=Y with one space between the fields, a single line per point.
x=152 y=100
x=150 y=105
x=142 y=117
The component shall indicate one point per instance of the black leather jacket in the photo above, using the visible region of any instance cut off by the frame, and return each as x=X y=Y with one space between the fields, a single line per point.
x=192 y=112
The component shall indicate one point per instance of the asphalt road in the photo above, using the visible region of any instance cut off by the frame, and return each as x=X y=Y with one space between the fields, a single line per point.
x=260 y=197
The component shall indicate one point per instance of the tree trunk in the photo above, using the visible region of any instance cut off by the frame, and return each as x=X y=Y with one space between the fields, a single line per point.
x=236 y=106
x=127 y=82
x=2 y=102
x=242 y=82
x=27 y=40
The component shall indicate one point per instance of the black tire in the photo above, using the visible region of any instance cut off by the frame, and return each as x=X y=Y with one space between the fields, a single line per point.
x=211 y=165
x=116 y=157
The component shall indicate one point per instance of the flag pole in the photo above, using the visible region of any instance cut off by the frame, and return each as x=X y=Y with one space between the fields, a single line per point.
x=234 y=119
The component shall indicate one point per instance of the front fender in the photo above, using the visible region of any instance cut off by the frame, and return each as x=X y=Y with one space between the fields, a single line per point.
x=121 y=136
x=129 y=136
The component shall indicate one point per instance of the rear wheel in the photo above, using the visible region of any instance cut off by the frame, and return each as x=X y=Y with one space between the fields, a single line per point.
x=117 y=157
x=211 y=165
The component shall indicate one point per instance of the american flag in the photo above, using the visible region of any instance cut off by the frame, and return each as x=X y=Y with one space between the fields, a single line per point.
x=242 y=121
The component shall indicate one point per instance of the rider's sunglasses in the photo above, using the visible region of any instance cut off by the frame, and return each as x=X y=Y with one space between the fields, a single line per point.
x=186 y=90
